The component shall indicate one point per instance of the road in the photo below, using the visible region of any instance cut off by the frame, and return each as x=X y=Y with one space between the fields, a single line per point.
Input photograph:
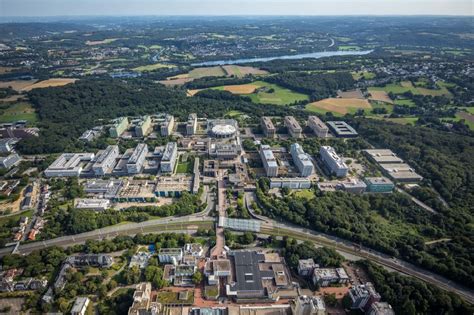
x=169 y=224
x=273 y=227
x=218 y=249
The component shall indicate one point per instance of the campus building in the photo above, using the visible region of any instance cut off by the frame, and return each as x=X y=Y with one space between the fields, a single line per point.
x=379 y=184
x=382 y=156
x=363 y=296
x=68 y=164
x=294 y=128
x=93 y=204
x=143 y=127
x=169 y=158
x=327 y=276
x=319 y=128
x=268 y=128
x=170 y=255
x=341 y=129
x=333 y=162
x=167 y=126
x=6 y=145
x=290 y=182
x=308 y=305
x=9 y=161
x=301 y=160
x=401 y=172
x=191 y=125
x=80 y=305
x=119 y=127
x=380 y=308
x=105 y=160
x=224 y=151
x=269 y=161
x=137 y=159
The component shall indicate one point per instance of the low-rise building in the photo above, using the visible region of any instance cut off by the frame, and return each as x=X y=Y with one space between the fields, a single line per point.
x=105 y=160
x=68 y=165
x=354 y=186
x=143 y=127
x=211 y=168
x=6 y=145
x=140 y=259
x=93 y=204
x=103 y=188
x=173 y=186
x=382 y=156
x=191 y=125
x=301 y=160
x=318 y=127
x=80 y=305
x=294 y=128
x=290 y=182
x=119 y=127
x=341 y=129
x=170 y=255
x=93 y=260
x=269 y=161
x=335 y=165
x=363 y=296
x=308 y=305
x=9 y=161
x=167 y=126
x=327 y=276
x=142 y=301
x=215 y=269
x=194 y=249
x=401 y=172
x=268 y=128
x=137 y=159
x=169 y=158
x=379 y=184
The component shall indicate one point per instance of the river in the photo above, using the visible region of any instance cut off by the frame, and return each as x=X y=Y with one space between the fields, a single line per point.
x=315 y=55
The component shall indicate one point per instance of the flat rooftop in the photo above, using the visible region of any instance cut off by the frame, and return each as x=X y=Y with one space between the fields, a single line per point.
x=341 y=128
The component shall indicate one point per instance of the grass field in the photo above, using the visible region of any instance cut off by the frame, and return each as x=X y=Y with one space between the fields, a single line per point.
x=17 y=111
x=49 y=83
x=362 y=74
x=240 y=71
x=349 y=47
x=17 y=85
x=217 y=71
x=152 y=67
x=15 y=217
x=404 y=102
x=307 y=194
x=468 y=118
x=185 y=167
x=401 y=120
x=338 y=106
x=101 y=42
x=405 y=86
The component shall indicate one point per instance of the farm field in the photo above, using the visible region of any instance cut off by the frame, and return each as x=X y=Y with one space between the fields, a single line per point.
x=349 y=47
x=400 y=120
x=351 y=94
x=468 y=118
x=17 y=85
x=49 y=83
x=101 y=42
x=152 y=67
x=362 y=74
x=404 y=102
x=261 y=93
x=239 y=71
x=381 y=96
x=338 y=106
x=17 y=111
x=405 y=86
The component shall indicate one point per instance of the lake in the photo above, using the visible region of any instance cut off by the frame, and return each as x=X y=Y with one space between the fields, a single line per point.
x=315 y=55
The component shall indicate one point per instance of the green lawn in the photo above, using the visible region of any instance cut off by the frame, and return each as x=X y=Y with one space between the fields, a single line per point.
x=405 y=86
x=152 y=67
x=16 y=217
x=17 y=111
x=362 y=74
x=304 y=193
x=401 y=120
x=166 y=297
x=404 y=102
x=233 y=114
x=349 y=47
x=185 y=167
x=281 y=96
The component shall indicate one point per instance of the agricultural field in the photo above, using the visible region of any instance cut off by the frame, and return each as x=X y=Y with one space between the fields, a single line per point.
x=49 y=83
x=338 y=106
x=351 y=94
x=362 y=74
x=101 y=42
x=17 y=85
x=405 y=86
x=17 y=111
x=404 y=102
x=400 y=120
x=239 y=71
x=349 y=47
x=381 y=96
x=468 y=118
x=152 y=67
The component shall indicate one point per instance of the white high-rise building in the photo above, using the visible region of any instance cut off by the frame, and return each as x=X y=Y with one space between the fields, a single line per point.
x=301 y=160
x=169 y=158
x=334 y=163
x=137 y=159
x=319 y=128
x=269 y=161
x=105 y=160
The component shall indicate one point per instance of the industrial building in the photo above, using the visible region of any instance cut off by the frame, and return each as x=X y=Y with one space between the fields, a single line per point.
x=318 y=127
x=191 y=125
x=341 y=129
x=291 y=182
x=68 y=164
x=9 y=161
x=324 y=277
x=333 y=162
x=257 y=276
x=363 y=296
x=382 y=156
x=294 y=128
x=137 y=159
x=119 y=127
x=93 y=204
x=308 y=305
x=301 y=160
x=167 y=126
x=268 y=128
x=269 y=161
x=401 y=172
x=169 y=158
x=105 y=160
x=142 y=129
x=379 y=184
x=224 y=151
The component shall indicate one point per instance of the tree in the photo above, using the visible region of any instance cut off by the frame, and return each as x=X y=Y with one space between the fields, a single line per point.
x=197 y=277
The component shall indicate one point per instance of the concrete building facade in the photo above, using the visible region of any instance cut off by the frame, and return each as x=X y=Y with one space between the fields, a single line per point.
x=268 y=128
x=301 y=160
x=269 y=161
x=137 y=159
x=105 y=160
x=318 y=127
x=294 y=128
x=333 y=162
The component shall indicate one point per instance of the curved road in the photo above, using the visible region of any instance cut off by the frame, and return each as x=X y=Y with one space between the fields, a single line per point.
x=273 y=227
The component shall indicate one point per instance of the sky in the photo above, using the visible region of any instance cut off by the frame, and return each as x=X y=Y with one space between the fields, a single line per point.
x=29 y=8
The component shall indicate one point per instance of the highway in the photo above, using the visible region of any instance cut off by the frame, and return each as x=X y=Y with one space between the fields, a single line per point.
x=273 y=227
